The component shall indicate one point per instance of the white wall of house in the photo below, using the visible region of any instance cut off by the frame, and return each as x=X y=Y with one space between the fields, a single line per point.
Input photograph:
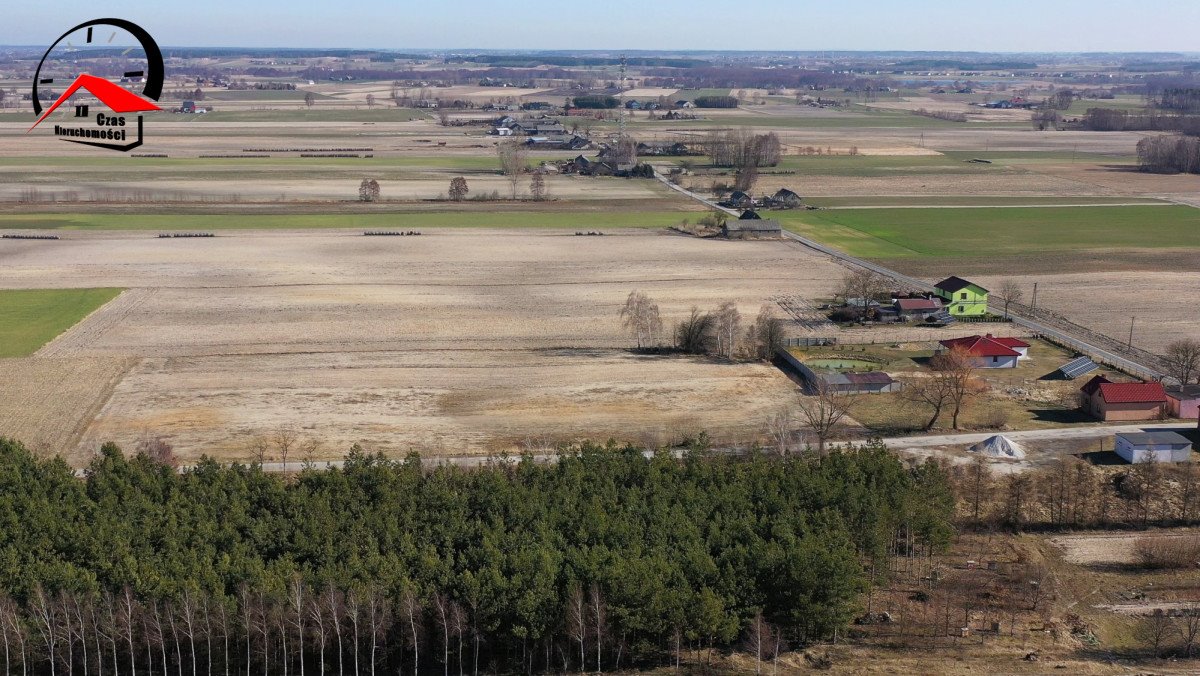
x=1155 y=453
x=996 y=362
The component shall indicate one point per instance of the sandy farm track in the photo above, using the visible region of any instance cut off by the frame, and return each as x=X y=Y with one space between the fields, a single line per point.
x=453 y=341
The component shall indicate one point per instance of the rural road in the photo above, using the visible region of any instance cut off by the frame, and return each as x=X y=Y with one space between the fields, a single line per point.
x=1092 y=432
x=895 y=443
x=1002 y=206
x=1094 y=351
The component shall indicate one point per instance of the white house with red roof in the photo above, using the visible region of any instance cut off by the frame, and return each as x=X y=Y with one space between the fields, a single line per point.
x=990 y=352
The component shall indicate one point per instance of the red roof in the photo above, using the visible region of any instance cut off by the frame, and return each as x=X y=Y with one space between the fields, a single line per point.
x=1008 y=342
x=909 y=304
x=981 y=346
x=1133 y=393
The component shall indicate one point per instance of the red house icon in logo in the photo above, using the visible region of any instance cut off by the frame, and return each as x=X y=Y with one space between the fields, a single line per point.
x=118 y=100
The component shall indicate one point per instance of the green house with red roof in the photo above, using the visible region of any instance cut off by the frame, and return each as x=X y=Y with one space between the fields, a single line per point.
x=962 y=298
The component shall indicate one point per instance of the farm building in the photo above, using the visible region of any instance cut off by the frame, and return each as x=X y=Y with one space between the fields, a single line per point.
x=989 y=352
x=784 y=199
x=1108 y=401
x=1153 y=447
x=963 y=298
x=909 y=308
x=739 y=200
x=751 y=228
x=1184 y=402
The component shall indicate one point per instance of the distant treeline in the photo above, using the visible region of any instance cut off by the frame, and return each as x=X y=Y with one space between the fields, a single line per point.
x=1109 y=119
x=1169 y=154
x=716 y=102
x=595 y=101
x=534 y=60
x=606 y=559
x=953 y=64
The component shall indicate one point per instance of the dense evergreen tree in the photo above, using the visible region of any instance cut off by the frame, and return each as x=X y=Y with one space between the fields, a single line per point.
x=607 y=558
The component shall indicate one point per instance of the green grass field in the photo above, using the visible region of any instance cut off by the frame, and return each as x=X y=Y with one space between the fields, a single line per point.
x=31 y=318
x=407 y=220
x=901 y=233
x=972 y=201
x=877 y=165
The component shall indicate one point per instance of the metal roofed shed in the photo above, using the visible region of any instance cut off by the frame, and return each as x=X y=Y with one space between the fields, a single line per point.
x=1136 y=447
x=1077 y=367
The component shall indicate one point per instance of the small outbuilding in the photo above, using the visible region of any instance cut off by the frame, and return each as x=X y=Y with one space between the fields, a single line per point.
x=1184 y=402
x=1136 y=447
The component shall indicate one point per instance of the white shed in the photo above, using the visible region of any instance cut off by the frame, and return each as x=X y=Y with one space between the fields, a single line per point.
x=1153 y=447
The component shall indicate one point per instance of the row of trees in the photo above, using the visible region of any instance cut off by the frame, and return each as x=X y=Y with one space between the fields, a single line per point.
x=609 y=558
x=1071 y=492
x=1169 y=154
x=719 y=332
x=745 y=151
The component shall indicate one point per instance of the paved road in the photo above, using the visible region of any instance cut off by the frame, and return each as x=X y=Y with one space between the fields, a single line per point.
x=1077 y=432
x=1002 y=206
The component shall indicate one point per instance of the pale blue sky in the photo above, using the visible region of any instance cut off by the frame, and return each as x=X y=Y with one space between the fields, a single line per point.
x=936 y=25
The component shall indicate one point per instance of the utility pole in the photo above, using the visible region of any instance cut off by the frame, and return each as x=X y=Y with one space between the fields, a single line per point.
x=1033 y=306
x=1130 y=343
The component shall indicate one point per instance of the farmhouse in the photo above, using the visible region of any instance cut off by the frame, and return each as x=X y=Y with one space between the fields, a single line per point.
x=988 y=352
x=738 y=200
x=1184 y=402
x=751 y=228
x=1108 y=401
x=1153 y=447
x=963 y=298
x=784 y=199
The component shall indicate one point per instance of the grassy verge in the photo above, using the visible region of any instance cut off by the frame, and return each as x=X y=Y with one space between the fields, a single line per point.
x=898 y=233
x=241 y=221
x=31 y=318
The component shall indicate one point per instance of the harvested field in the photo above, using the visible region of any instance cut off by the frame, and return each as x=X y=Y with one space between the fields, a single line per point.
x=456 y=341
x=1107 y=548
x=48 y=403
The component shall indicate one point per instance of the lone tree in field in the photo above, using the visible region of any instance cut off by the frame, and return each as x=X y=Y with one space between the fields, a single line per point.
x=824 y=410
x=640 y=316
x=1182 y=358
x=309 y=99
x=512 y=162
x=1010 y=292
x=458 y=189
x=370 y=100
x=537 y=187
x=368 y=190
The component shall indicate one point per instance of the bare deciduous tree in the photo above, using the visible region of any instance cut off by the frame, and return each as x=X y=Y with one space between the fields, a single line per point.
x=640 y=317
x=824 y=410
x=1182 y=358
x=512 y=162
x=1010 y=292
x=309 y=99
x=957 y=367
x=368 y=190
x=728 y=323
x=863 y=285
x=766 y=334
x=695 y=333
x=458 y=188
x=537 y=187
